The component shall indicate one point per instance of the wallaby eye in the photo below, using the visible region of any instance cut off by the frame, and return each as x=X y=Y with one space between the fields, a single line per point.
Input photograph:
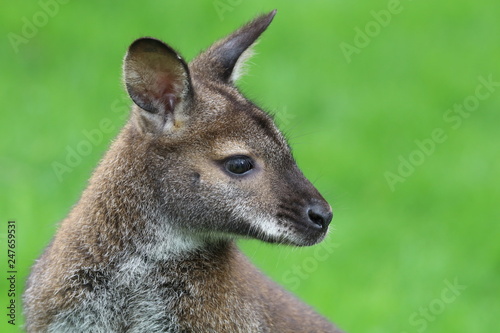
x=239 y=164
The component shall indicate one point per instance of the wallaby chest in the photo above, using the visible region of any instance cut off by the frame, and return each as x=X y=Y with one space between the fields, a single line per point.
x=166 y=296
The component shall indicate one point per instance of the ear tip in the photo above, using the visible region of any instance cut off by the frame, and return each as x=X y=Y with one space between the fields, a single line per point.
x=151 y=45
x=260 y=23
x=147 y=44
x=268 y=18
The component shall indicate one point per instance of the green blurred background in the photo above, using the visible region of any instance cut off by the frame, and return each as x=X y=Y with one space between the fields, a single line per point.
x=358 y=87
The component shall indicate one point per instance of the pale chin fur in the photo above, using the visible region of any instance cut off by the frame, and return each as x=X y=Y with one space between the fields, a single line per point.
x=268 y=229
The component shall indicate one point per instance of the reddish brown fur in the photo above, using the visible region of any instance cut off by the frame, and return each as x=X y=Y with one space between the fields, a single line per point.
x=149 y=247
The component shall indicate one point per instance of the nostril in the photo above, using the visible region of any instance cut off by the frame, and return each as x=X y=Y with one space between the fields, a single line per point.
x=319 y=216
x=315 y=218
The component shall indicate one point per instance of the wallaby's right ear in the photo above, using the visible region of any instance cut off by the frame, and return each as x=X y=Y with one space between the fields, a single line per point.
x=158 y=81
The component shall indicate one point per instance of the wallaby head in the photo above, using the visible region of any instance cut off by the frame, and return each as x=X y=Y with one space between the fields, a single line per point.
x=149 y=246
x=220 y=165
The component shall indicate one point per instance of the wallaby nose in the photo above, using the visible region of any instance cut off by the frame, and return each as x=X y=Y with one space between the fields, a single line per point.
x=320 y=215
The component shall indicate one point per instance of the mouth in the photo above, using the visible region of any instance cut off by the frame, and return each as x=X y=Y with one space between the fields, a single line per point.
x=288 y=231
x=304 y=233
x=295 y=240
x=296 y=226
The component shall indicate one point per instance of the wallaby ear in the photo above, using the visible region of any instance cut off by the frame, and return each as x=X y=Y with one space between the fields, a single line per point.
x=158 y=81
x=224 y=60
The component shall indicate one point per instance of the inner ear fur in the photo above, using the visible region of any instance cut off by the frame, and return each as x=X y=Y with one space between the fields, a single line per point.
x=157 y=79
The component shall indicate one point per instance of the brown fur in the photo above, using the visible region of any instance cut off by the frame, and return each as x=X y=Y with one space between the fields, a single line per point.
x=149 y=246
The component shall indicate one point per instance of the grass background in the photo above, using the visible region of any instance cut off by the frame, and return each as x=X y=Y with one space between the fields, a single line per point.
x=350 y=121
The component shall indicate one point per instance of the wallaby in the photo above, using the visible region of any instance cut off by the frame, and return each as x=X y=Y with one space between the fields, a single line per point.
x=150 y=246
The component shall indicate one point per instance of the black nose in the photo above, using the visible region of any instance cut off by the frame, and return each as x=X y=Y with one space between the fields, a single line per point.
x=320 y=215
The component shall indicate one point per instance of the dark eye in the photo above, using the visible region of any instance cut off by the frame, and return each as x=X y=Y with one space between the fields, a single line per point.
x=238 y=165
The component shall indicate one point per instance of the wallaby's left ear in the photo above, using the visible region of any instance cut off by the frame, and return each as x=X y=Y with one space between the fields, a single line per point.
x=224 y=59
x=158 y=81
